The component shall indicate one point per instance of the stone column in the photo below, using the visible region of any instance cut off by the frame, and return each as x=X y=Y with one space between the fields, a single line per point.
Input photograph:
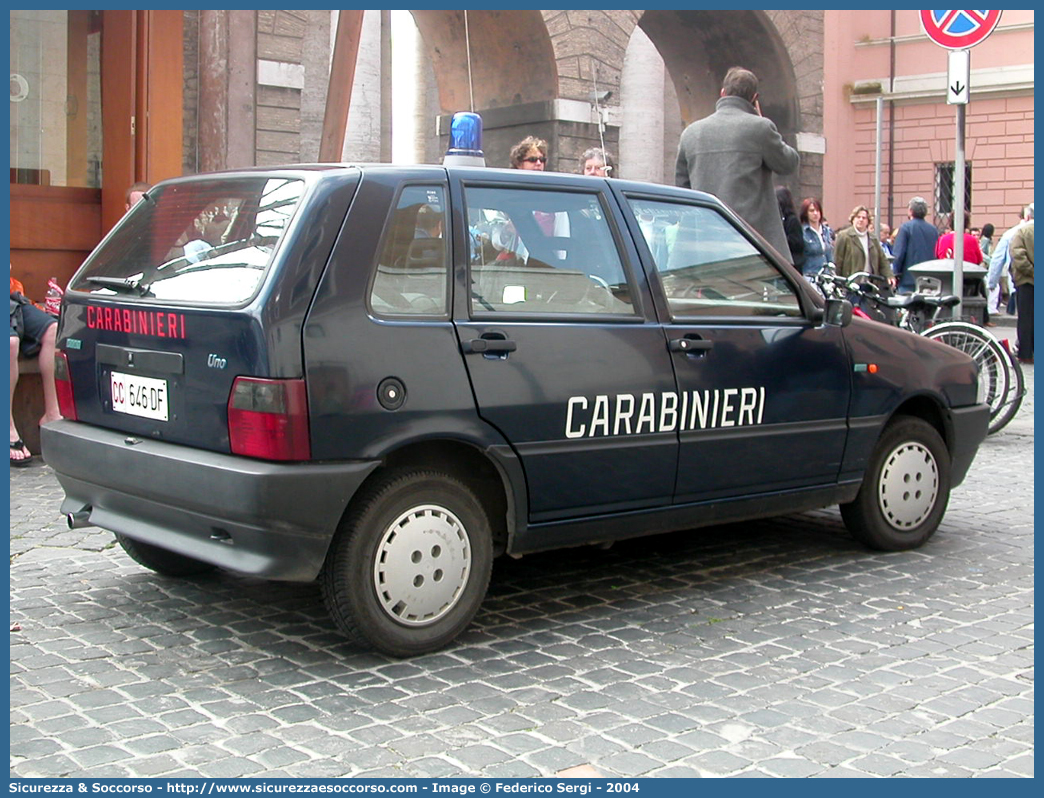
x=426 y=109
x=642 y=132
x=672 y=129
x=316 y=42
x=362 y=140
x=227 y=55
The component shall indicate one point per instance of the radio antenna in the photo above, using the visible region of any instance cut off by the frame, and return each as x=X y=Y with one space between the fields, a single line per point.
x=598 y=110
x=467 y=45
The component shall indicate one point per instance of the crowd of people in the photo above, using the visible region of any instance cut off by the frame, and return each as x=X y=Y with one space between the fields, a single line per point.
x=736 y=154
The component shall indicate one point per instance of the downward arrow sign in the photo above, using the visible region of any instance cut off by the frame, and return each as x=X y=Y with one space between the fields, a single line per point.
x=958 y=77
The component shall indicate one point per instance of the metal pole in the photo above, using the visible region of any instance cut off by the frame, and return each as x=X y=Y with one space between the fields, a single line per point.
x=958 y=213
x=877 y=169
x=386 y=87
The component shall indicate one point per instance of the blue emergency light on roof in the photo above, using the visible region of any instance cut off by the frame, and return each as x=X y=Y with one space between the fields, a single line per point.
x=465 y=148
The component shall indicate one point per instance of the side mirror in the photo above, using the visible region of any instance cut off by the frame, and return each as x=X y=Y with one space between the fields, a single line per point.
x=838 y=312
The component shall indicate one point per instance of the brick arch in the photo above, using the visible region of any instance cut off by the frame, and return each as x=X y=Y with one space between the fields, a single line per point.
x=589 y=47
x=698 y=47
x=512 y=60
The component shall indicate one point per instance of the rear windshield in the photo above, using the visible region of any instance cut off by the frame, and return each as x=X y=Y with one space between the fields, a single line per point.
x=203 y=241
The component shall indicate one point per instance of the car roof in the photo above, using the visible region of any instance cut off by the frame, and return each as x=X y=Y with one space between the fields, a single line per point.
x=437 y=171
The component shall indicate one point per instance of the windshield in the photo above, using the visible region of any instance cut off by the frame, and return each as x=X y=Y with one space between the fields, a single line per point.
x=204 y=241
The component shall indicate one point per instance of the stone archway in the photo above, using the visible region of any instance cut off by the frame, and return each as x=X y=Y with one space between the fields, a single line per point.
x=698 y=47
x=531 y=71
x=513 y=76
x=512 y=62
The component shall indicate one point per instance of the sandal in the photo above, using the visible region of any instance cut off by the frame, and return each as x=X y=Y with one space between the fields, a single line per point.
x=20 y=462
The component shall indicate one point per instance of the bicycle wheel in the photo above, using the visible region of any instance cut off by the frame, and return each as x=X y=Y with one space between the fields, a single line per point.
x=1004 y=385
x=1016 y=390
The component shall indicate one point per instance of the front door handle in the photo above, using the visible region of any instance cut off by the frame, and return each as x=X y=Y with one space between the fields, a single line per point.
x=690 y=345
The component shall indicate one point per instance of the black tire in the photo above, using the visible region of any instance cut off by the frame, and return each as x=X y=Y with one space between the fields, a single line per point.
x=410 y=564
x=905 y=490
x=162 y=561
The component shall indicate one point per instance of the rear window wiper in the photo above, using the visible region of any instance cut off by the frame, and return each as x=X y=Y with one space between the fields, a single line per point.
x=123 y=285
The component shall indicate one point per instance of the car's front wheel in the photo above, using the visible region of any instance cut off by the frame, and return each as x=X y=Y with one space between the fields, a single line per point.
x=905 y=490
x=410 y=564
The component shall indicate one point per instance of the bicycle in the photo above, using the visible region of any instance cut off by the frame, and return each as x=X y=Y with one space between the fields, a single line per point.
x=871 y=298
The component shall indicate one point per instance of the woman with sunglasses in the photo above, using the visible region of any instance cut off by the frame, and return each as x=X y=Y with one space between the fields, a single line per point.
x=530 y=153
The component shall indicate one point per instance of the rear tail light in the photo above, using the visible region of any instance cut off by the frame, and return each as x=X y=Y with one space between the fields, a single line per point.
x=63 y=386
x=269 y=419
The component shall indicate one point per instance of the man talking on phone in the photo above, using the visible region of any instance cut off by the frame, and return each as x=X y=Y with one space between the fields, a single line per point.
x=733 y=154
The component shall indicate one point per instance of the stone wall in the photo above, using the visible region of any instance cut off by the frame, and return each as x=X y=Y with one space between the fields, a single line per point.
x=802 y=32
x=281 y=72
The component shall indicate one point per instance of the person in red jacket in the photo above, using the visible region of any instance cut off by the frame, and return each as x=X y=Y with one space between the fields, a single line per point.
x=972 y=252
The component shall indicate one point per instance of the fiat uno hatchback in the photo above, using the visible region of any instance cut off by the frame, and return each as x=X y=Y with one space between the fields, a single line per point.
x=384 y=377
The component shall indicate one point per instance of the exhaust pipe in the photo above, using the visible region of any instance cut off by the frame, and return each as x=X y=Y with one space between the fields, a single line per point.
x=79 y=519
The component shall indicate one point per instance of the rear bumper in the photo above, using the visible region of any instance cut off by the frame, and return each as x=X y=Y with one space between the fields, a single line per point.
x=273 y=520
x=969 y=426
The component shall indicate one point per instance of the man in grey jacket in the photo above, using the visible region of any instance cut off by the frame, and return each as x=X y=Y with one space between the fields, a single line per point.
x=733 y=153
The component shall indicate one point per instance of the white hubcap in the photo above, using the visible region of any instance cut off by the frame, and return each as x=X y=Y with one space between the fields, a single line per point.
x=909 y=486
x=422 y=565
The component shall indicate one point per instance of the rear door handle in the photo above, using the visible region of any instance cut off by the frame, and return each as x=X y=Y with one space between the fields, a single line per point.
x=488 y=346
x=690 y=345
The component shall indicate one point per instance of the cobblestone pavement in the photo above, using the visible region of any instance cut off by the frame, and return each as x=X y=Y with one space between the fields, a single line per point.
x=778 y=648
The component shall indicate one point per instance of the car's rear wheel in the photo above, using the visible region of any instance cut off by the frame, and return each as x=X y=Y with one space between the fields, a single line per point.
x=162 y=561
x=905 y=490
x=410 y=564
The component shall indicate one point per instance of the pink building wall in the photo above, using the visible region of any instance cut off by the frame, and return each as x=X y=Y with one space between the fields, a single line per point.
x=859 y=52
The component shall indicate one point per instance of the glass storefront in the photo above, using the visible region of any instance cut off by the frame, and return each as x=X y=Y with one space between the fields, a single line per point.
x=56 y=123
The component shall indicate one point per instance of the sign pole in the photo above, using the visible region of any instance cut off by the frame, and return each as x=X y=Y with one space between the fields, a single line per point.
x=958 y=91
x=958 y=213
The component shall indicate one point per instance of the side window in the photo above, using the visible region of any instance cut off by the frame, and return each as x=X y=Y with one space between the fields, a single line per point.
x=411 y=276
x=707 y=267
x=535 y=251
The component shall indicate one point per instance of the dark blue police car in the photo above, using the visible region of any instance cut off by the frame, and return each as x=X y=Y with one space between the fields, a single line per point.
x=384 y=377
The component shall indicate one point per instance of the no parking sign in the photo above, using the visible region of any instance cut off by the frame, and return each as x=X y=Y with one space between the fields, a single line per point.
x=959 y=30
